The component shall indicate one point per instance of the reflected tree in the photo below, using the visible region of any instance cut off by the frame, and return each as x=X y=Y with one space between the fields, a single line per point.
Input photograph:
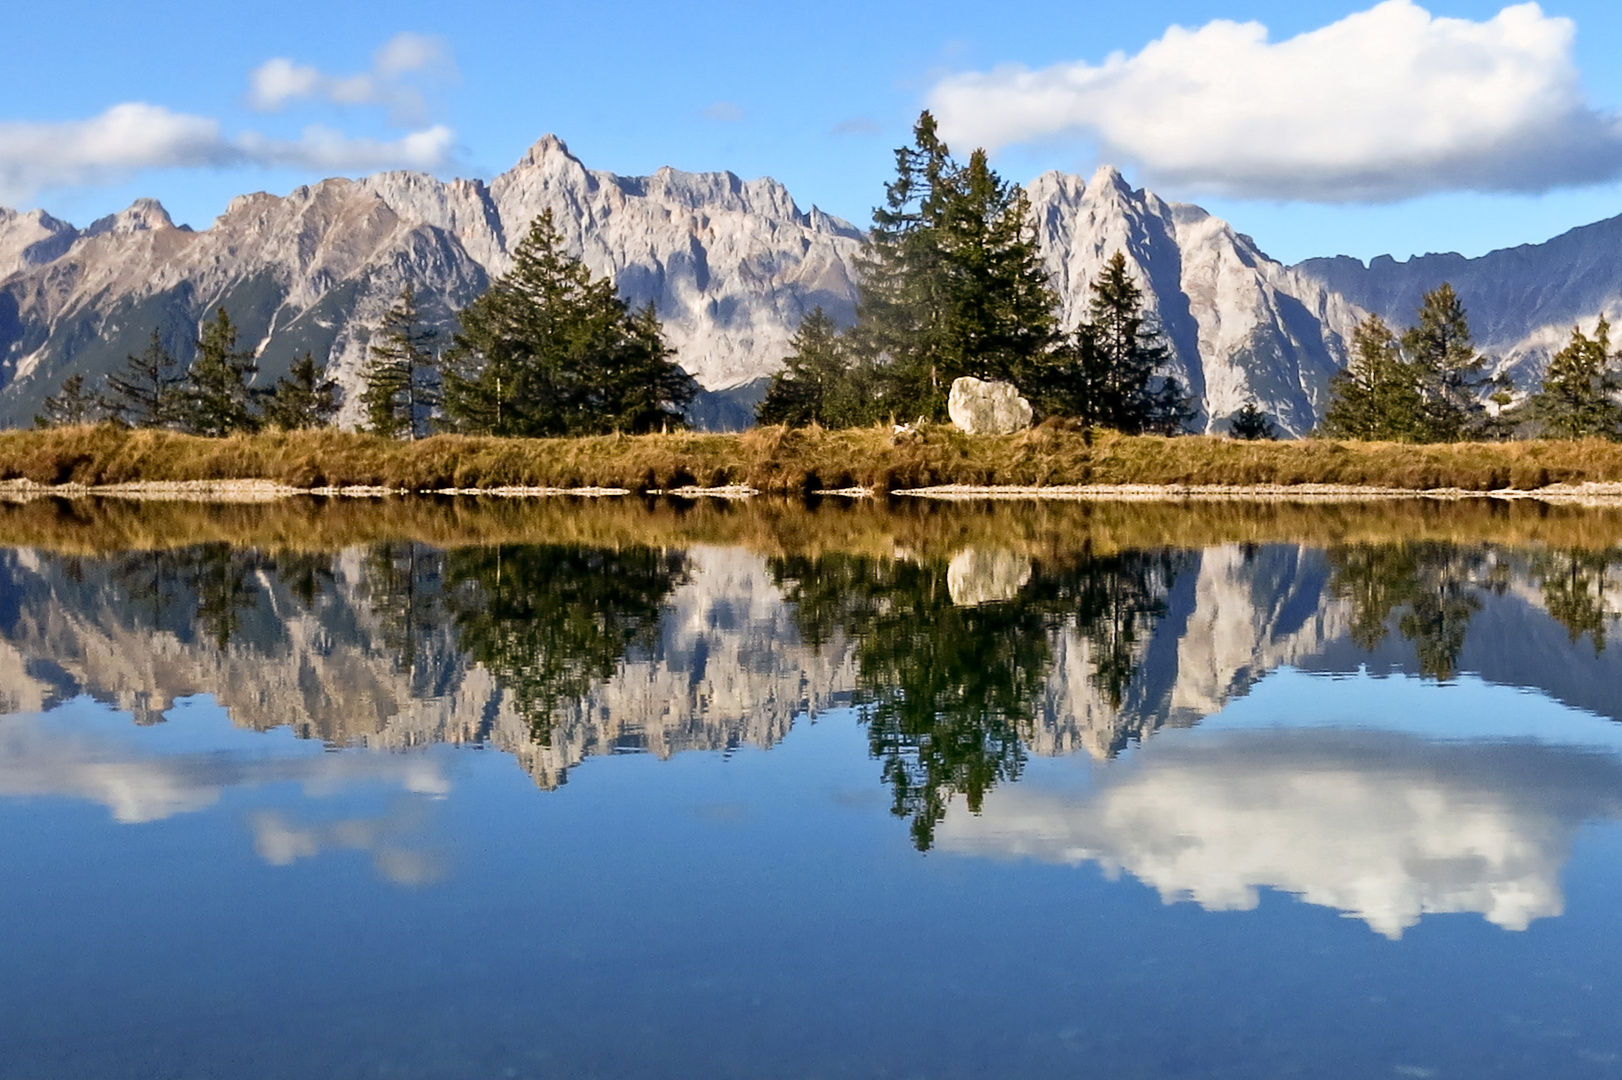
x=949 y=691
x=1429 y=588
x=208 y=587
x=402 y=583
x=1574 y=584
x=549 y=620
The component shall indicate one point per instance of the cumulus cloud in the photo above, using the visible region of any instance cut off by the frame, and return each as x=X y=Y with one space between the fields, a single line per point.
x=132 y=137
x=392 y=81
x=1385 y=104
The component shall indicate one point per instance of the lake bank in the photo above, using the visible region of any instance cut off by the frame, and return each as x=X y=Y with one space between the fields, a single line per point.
x=932 y=460
x=879 y=528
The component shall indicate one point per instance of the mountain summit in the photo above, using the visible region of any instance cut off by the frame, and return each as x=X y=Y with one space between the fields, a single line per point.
x=732 y=266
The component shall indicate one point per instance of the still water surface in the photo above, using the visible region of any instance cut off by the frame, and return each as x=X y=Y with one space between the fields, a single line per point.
x=928 y=807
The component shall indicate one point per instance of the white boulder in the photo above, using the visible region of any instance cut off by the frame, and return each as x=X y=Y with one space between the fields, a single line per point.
x=987 y=408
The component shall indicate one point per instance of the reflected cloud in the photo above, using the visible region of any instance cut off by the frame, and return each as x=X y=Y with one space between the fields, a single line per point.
x=1384 y=827
x=47 y=757
x=282 y=842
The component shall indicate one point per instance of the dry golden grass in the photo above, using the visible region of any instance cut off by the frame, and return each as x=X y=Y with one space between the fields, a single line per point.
x=789 y=461
x=773 y=526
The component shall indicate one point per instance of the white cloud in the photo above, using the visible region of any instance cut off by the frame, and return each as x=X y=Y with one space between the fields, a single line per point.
x=280 y=81
x=129 y=138
x=1385 y=104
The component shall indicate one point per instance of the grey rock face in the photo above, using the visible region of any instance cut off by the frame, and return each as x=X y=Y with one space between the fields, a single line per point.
x=1523 y=301
x=988 y=408
x=732 y=267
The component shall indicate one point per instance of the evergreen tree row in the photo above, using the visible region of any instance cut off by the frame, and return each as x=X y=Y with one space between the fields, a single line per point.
x=213 y=396
x=952 y=285
x=1428 y=384
x=547 y=350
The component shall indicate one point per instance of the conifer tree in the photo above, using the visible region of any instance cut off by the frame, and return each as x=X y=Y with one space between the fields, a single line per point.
x=218 y=400
x=1449 y=368
x=1378 y=395
x=305 y=398
x=1104 y=373
x=400 y=381
x=1251 y=423
x=952 y=283
x=147 y=392
x=72 y=406
x=1578 y=396
x=550 y=350
x=816 y=379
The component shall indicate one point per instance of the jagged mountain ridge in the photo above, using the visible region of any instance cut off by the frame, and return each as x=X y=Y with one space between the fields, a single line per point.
x=732 y=267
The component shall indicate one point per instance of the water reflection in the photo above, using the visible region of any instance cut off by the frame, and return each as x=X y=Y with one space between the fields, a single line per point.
x=962 y=663
x=1384 y=826
x=74 y=754
x=952 y=659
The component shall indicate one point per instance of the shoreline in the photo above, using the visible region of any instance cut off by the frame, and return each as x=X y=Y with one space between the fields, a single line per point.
x=1591 y=493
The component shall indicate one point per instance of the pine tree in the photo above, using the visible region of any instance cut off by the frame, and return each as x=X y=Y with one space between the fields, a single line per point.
x=401 y=377
x=1251 y=423
x=1104 y=373
x=71 y=407
x=1000 y=323
x=952 y=283
x=550 y=350
x=804 y=392
x=1578 y=396
x=1378 y=395
x=1449 y=367
x=218 y=400
x=146 y=394
x=306 y=398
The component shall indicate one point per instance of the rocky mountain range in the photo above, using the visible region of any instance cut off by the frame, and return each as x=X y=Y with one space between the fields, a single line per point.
x=732 y=267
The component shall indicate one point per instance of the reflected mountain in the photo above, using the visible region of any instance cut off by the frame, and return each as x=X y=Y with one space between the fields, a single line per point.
x=960 y=663
x=1383 y=826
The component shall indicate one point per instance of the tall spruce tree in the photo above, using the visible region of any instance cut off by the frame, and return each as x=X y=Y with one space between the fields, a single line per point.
x=218 y=400
x=817 y=381
x=550 y=350
x=147 y=392
x=1378 y=396
x=1578 y=396
x=1449 y=368
x=401 y=379
x=71 y=406
x=305 y=398
x=1105 y=372
x=952 y=282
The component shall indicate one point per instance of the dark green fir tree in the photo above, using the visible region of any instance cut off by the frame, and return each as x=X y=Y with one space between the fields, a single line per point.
x=550 y=350
x=305 y=398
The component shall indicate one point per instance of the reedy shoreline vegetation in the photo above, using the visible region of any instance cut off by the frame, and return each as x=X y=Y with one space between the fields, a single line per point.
x=789 y=461
x=779 y=527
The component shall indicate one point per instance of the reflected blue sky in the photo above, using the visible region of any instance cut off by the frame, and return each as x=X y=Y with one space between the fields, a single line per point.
x=1339 y=868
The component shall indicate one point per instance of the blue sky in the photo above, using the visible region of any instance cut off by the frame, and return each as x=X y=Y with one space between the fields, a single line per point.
x=819 y=96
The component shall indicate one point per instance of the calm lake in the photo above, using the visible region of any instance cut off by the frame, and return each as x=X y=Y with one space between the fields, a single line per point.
x=652 y=789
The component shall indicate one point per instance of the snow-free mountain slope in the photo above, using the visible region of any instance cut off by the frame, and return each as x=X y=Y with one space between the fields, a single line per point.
x=732 y=267
x=1523 y=301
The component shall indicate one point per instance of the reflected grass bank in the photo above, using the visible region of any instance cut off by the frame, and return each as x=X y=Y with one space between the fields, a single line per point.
x=793 y=527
